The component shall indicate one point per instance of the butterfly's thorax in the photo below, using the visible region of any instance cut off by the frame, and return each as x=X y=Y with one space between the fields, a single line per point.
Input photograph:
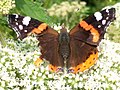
x=64 y=47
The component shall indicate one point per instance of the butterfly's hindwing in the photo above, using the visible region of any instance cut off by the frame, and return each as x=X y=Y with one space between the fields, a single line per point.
x=82 y=55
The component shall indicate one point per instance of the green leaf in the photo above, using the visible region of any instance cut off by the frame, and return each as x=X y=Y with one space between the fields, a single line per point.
x=33 y=10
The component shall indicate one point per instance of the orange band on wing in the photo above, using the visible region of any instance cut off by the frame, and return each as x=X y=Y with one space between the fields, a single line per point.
x=95 y=34
x=93 y=31
x=40 y=28
x=52 y=68
x=55 y=68
x=87 y=64
x=38 y=62
x=84 y=25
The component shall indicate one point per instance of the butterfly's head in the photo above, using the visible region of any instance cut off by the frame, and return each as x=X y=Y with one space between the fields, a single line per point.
x=63 y=29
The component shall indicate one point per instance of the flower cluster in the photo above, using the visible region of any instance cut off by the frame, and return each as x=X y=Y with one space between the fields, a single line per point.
x=65 y=8
x=68 y=13
x=6 y=5
x=17 y=70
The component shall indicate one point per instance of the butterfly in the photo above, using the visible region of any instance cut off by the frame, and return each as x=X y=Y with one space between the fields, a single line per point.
x=75 y=51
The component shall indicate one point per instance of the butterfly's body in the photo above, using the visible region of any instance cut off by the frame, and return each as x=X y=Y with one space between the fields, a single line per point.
x=64 y=45
x=75 y=51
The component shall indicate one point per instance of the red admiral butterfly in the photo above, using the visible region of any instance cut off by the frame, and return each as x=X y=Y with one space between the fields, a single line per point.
x=77 y=50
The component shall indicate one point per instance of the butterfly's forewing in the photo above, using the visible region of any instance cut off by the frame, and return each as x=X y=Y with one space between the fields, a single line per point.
x=92 y=29
x=85 y=37
x=22 y=25
x=48 y=38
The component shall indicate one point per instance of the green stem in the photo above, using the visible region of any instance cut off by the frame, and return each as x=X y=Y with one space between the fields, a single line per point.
x=2 y=39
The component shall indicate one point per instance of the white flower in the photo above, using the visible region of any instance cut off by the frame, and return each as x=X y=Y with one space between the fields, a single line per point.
x=1 y=88
x=117 y=7
x=50 y=75
x=64 y=8
x=6 y=5
x=70 y=80
x=3 y=83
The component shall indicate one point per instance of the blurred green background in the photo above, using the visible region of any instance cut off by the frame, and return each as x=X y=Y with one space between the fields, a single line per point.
x=57 y=12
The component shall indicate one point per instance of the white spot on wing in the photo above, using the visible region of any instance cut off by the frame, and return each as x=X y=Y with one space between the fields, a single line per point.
x=26 y=20
x=16 y=23
x=17 y=32
x=107 y=10
x=16 y=16
x=25 y=30
x=98 y=16
x=15 y=19
x=20 y=27
x=103 y=22
x=107 y=18
x=99 y=26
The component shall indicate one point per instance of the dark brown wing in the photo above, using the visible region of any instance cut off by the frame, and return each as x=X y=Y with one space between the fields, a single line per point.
x=48 y=38
x=92 y=29
x=49 y=46
x=82 y=55
x=85 y=37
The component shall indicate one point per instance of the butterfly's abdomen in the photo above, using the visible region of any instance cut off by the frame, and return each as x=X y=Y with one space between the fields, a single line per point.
x=64 y=47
